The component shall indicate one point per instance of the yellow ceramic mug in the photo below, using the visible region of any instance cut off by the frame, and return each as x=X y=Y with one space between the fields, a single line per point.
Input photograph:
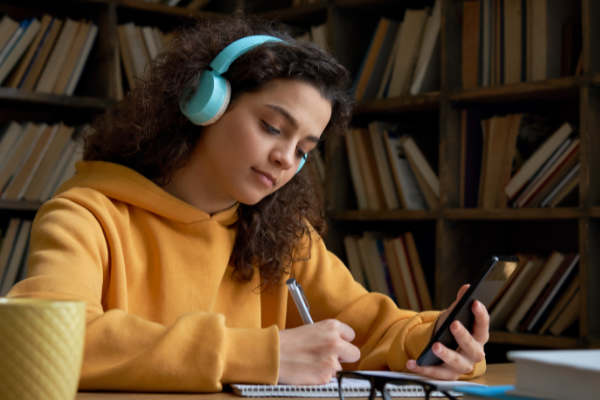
x=41 y=348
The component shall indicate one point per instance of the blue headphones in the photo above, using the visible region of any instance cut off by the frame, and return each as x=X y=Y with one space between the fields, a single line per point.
x=214 y=91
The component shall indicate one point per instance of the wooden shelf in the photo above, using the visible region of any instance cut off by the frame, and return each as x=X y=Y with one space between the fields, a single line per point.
x=558 y=87
x=511 y=214
x=365 y=215
x=17 y=205
x=522 y=339
x=9 y=95
x=460 y=214
x=310 y=14
x=166 y=10
x=427 y=101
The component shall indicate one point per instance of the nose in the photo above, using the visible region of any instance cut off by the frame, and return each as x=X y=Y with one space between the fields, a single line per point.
x=283 y=157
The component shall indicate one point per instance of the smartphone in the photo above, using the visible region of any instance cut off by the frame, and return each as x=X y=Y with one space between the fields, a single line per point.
x=484 y=289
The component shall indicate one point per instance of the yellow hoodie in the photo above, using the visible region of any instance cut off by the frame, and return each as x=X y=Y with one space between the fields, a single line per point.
x=163 y=313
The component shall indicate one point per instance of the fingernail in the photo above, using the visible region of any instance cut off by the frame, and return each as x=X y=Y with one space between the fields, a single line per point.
x=411 y=364
x=437 y=349
x=455 y=327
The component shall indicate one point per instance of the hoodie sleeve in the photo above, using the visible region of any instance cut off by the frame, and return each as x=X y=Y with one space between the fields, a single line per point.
x=69 y=260
x=386 y=335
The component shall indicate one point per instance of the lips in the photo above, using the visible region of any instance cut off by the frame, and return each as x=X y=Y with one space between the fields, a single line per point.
x=267 y=175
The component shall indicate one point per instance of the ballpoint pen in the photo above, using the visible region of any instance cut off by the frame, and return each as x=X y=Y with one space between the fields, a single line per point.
x=300 y=300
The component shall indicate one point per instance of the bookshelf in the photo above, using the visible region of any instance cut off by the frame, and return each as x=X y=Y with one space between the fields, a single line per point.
x=453 y=242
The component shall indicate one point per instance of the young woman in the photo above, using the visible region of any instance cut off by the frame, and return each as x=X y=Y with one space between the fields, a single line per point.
x=180 y=237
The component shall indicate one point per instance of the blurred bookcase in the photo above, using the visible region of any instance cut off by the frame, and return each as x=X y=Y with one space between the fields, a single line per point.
x=453 y=242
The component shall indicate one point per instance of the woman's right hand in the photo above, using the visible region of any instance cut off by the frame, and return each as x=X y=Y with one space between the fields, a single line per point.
x=311 y=354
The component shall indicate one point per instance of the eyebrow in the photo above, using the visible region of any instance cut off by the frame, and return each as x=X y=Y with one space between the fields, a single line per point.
x=291 y=120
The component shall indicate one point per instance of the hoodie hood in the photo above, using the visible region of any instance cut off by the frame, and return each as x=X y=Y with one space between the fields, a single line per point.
x=123 y=184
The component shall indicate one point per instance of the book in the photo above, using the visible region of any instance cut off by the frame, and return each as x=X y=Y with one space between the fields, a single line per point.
x=370 y=259
x=413 y=153
x=560 y=305
x=354 y=260
x=556 y=374
x=523 y=259
x=7 y=244
x=319 y=35
x=407 y=187
x=545 y=167
x=496 y=148
x=369 y=75
x=387 y=72
x=536 y=288
x=427 y=71
x=19 y=48
x=12 y=41
x=569 y=183
x=376 y=131
x=355 y=173
x=532 y=165
x=126 y=56
x=507 y=162
x=513 y=38
x=150 y=42
x=83 y=56
x=396 y=275
x=8 y=26
x=74 y=52
x=384 y=264
x=34 y=71
x=24 y=173
x=411 y=35
x=15 y=258
x=515 y=292
x=17 y=76
x=417 y=270
x=59 y=141
x=470 y=44
x=140 y=40
x=555 y=283
x=567 y=316
x=29 y=137
x=407 y=276
x=9 y=139
x=430 y=198
x=58 y=57
x=368 y=169
x=486 y=45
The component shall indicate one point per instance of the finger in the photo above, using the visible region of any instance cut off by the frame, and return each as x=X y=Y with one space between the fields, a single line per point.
x=454 y=361
x=441 y=372
x=469 y=347
x=345 y=331
x=481 y=326
x=348 y=353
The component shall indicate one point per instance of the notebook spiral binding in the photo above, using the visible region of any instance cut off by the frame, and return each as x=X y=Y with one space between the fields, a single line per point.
x=328 y=391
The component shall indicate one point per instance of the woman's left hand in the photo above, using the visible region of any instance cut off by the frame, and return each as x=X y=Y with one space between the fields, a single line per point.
x=470 y=351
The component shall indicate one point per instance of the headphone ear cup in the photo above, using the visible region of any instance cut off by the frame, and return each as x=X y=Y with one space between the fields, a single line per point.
x=210 y=101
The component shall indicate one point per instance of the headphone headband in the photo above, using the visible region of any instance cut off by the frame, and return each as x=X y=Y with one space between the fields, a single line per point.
x=230 y=53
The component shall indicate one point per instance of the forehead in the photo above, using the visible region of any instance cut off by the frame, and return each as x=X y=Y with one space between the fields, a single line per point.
x=303 y=101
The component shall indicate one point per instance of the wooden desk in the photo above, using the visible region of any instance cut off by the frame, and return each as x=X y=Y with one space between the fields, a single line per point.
x=497 y=374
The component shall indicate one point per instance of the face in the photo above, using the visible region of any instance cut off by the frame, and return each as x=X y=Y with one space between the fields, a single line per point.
x=256 y=147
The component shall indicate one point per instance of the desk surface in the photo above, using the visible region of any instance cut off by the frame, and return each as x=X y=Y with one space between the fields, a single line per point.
x=497 y=374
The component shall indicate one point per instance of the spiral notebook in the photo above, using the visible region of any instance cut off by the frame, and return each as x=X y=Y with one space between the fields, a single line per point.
x=355 y=388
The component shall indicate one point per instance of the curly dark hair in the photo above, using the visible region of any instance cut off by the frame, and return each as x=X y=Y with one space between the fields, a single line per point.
x=148 y=133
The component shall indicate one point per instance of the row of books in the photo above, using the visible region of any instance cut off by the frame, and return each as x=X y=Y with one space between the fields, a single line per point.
x=14 y=249
x=191 y=4
x=390 y=266
x=297 y=3
x=35 y=159
x=389 y=171
x=541 y=296
x=511 y=41
x=518 y=160
x=45 y=56
x=403 y=57
x=138 y=45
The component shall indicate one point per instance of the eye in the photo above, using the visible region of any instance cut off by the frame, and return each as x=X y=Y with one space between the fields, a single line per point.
x=270 y=129
x=301 y=154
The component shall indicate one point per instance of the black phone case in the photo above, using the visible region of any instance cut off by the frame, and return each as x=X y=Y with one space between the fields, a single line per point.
x=462 y=312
